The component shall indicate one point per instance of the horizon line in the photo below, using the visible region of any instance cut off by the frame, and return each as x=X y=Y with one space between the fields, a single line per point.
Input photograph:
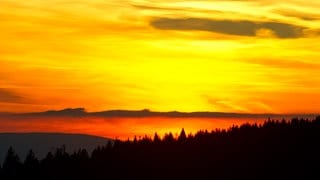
x=80 y=111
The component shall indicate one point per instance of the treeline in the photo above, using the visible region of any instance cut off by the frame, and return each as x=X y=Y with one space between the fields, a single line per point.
x=273 y=150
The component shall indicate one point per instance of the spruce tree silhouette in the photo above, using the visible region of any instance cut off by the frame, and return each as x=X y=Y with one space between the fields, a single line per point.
x=12 y=165
x=156 y=138
x=31 y=160
x=182 y=137
x=168 y=138
x=31 y=165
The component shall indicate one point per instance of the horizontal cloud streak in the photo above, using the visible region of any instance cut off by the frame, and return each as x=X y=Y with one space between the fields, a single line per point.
x=8 y=96
x=241 y=28
x=285 y=64
x=298 y=14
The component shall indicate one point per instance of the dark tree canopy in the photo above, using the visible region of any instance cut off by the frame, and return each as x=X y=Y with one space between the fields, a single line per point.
x=11 y=164
x=31 y=159
x=273 y=150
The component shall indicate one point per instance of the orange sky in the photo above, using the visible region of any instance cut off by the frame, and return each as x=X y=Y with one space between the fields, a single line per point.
x=120 y=128
x=192 y=55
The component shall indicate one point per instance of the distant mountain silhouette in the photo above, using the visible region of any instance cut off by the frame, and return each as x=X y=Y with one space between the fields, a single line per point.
x=42 y=143
x=63 y=112
x=76 y=112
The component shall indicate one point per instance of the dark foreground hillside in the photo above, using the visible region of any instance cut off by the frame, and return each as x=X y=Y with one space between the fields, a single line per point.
x=42 y=143
x=274 y=150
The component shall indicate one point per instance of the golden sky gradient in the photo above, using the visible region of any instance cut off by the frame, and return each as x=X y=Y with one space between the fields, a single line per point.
x=187 y=55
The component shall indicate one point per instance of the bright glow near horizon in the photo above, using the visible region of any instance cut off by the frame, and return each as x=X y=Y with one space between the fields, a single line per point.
x=120 y=128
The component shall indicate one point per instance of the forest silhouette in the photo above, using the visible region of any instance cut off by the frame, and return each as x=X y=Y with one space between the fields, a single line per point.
x=272 y=150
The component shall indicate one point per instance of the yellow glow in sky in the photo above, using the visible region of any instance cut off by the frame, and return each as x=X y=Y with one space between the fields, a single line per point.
x=230 y=56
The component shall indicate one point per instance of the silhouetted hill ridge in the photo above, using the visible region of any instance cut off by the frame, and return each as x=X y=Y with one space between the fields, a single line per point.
x=147 y=113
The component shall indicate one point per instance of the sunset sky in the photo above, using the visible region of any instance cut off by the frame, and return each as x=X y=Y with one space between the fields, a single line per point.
x=187 y=55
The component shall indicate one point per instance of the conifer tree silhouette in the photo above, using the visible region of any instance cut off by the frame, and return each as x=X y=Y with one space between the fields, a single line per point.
x=12 y=164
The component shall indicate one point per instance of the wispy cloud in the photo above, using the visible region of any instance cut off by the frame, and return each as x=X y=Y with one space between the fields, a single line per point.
x=9 y=96
x=298 y=14
x=284 y=63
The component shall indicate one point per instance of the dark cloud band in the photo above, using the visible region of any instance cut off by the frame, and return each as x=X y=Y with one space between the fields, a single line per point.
x=241 y=28
x=7 y=96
